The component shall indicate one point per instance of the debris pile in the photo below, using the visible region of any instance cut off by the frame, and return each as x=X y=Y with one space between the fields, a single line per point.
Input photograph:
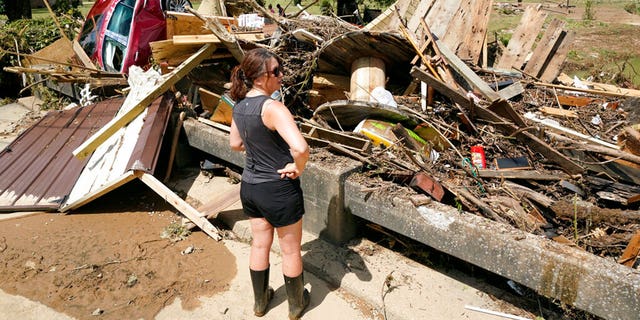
x=412 y=96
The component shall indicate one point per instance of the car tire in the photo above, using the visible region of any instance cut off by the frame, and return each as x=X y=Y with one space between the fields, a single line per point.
x=175 y=5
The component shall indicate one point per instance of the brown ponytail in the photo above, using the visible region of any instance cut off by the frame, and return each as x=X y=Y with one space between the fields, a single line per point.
x=252 y=67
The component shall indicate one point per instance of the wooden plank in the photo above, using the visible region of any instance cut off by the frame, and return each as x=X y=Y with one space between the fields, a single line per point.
x=523 y=38
x=216 y=125
x=520 y=174
x=504 y=109
x=602 y=88
x=158 y=89
x=574 y=101
x=512 y=90
x=208 y=99
x=165 y=49
x=467 y=30
x=220 y=202
x=177 y=202
x=630 y=253
x=557 y=62
x=182 y=23
x=211 y=38
x=558 y=112
x=463 y=70
x=619 y=93
x=555 y=126
x=545 y=48
x=440 y=15
x=413 y=23
x=326 y=80
x=228 y=39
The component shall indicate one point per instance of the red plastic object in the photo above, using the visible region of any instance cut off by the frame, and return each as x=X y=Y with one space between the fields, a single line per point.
x=478 y=157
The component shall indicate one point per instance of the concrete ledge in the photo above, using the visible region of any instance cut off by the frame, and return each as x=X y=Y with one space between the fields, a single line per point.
x=575 y=277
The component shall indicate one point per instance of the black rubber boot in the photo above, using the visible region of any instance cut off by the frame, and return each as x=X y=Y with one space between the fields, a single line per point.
x=262 y=293
x=297 y=296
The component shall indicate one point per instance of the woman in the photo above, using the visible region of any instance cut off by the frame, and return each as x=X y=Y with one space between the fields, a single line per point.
x=276 y=155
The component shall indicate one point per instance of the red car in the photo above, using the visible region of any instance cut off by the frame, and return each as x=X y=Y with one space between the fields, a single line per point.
x=116 y=33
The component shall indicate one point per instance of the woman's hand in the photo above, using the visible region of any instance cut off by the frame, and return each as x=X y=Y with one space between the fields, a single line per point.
x=290 y=171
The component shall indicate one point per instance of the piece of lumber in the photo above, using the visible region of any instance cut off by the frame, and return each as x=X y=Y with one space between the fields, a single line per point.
x=558 y=112
x=345 y=151
x=190 y=212
x=183 y=23
x=220 y=202
x=528 y=193
x=157 y=90
x=208 y=99
x=556 y=63
x=228 y=39
x=212 y=38
x=484 y=207
x=555 y=126
x=463 y=70
x=216 y=125
x=600 y=87
x=619 y=93
x=631 y=252
x=82 y=55
x=624 y=190
x=523 y=38
x=545 y=49
x=520 y=174
x=512 y=90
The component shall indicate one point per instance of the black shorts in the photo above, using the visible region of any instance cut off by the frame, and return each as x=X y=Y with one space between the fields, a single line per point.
x=280 y=202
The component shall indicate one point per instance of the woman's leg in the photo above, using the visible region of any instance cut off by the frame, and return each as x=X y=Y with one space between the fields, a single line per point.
x=262 y=232
x=290 y=237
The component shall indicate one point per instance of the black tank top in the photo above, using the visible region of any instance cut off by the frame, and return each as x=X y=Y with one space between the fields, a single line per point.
x=266 y=151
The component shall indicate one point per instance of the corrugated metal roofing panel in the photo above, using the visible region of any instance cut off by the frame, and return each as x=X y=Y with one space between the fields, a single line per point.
x=37 y=170
x=135 y=146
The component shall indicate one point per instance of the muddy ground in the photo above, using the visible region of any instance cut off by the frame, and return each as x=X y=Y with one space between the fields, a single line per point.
x=118 y=256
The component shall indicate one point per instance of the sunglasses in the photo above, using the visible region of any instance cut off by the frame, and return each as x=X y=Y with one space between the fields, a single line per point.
x=276 y=71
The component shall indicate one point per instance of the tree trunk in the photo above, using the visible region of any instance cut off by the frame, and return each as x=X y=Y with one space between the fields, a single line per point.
x=18 y=9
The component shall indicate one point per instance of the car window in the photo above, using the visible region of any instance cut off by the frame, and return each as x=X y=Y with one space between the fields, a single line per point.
x=116 y=37
x=88 y=35
x=121 y=19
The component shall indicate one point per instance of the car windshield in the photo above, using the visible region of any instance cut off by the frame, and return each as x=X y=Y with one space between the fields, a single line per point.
x=117 y=36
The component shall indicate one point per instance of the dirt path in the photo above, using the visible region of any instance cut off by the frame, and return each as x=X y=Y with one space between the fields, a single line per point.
x=101 y=258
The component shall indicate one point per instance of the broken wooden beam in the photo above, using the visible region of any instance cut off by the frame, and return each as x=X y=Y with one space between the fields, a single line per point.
x=190 y=212
x=228 y=39
x=631 y=252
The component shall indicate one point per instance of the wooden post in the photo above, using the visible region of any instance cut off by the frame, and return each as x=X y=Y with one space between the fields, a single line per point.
x=367 y=73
